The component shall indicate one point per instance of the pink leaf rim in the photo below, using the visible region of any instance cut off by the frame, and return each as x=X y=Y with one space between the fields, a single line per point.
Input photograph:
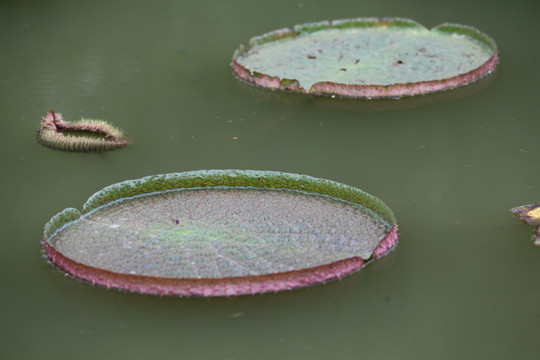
x=366 y=91
x=225 y=286
x=233 y=286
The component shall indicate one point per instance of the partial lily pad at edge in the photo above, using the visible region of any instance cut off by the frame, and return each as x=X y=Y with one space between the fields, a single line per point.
x=220 y=233
x=366 y=58
x=531 y=215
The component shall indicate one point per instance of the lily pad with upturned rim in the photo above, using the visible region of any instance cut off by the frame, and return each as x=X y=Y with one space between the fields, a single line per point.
x=366 y=58
x=220 y=232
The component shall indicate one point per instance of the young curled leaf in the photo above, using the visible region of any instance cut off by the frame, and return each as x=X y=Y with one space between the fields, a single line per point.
x=84 y=135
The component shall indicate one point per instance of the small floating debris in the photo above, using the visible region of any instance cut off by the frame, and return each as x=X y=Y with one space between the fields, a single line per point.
x=84 y=135
x=220 y=233
x=366 y=58
x=531 y=215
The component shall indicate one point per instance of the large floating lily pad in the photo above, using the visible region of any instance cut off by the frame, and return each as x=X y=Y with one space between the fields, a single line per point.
x=220 y=232
x=366 y=58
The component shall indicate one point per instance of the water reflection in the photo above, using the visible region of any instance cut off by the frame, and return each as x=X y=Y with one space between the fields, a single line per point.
x=340 y=103
x=85 y=79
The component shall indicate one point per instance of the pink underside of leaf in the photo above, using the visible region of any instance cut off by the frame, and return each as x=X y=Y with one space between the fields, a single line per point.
x=53 y=121
x=219 y=286
x=265 y=81
x=386 y=244
x=371 y=91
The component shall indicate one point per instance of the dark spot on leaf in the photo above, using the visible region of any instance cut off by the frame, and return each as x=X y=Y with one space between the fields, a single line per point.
x=342 y=69
x=309 y=56
x=356 y=61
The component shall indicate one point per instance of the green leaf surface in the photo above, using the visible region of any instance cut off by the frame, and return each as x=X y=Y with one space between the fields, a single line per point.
x=220 y=224
x=368 y=52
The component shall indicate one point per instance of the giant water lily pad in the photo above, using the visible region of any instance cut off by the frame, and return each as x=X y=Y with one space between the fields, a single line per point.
x=366 y=58
x=220 y=232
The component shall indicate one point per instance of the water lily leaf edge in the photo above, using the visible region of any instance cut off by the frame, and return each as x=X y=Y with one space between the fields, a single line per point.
x=219 y=287
x=364 y=91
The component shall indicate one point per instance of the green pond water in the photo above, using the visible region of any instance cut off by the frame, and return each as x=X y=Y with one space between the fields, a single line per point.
x=463 y=282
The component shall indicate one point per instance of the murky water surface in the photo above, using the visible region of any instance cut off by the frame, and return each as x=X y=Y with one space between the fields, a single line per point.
x=463 y=282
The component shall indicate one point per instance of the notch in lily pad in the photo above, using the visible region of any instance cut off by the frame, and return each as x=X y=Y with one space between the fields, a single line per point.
x=366 y=58
x=220 y=233
x=84 y=135
x=530 y=214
